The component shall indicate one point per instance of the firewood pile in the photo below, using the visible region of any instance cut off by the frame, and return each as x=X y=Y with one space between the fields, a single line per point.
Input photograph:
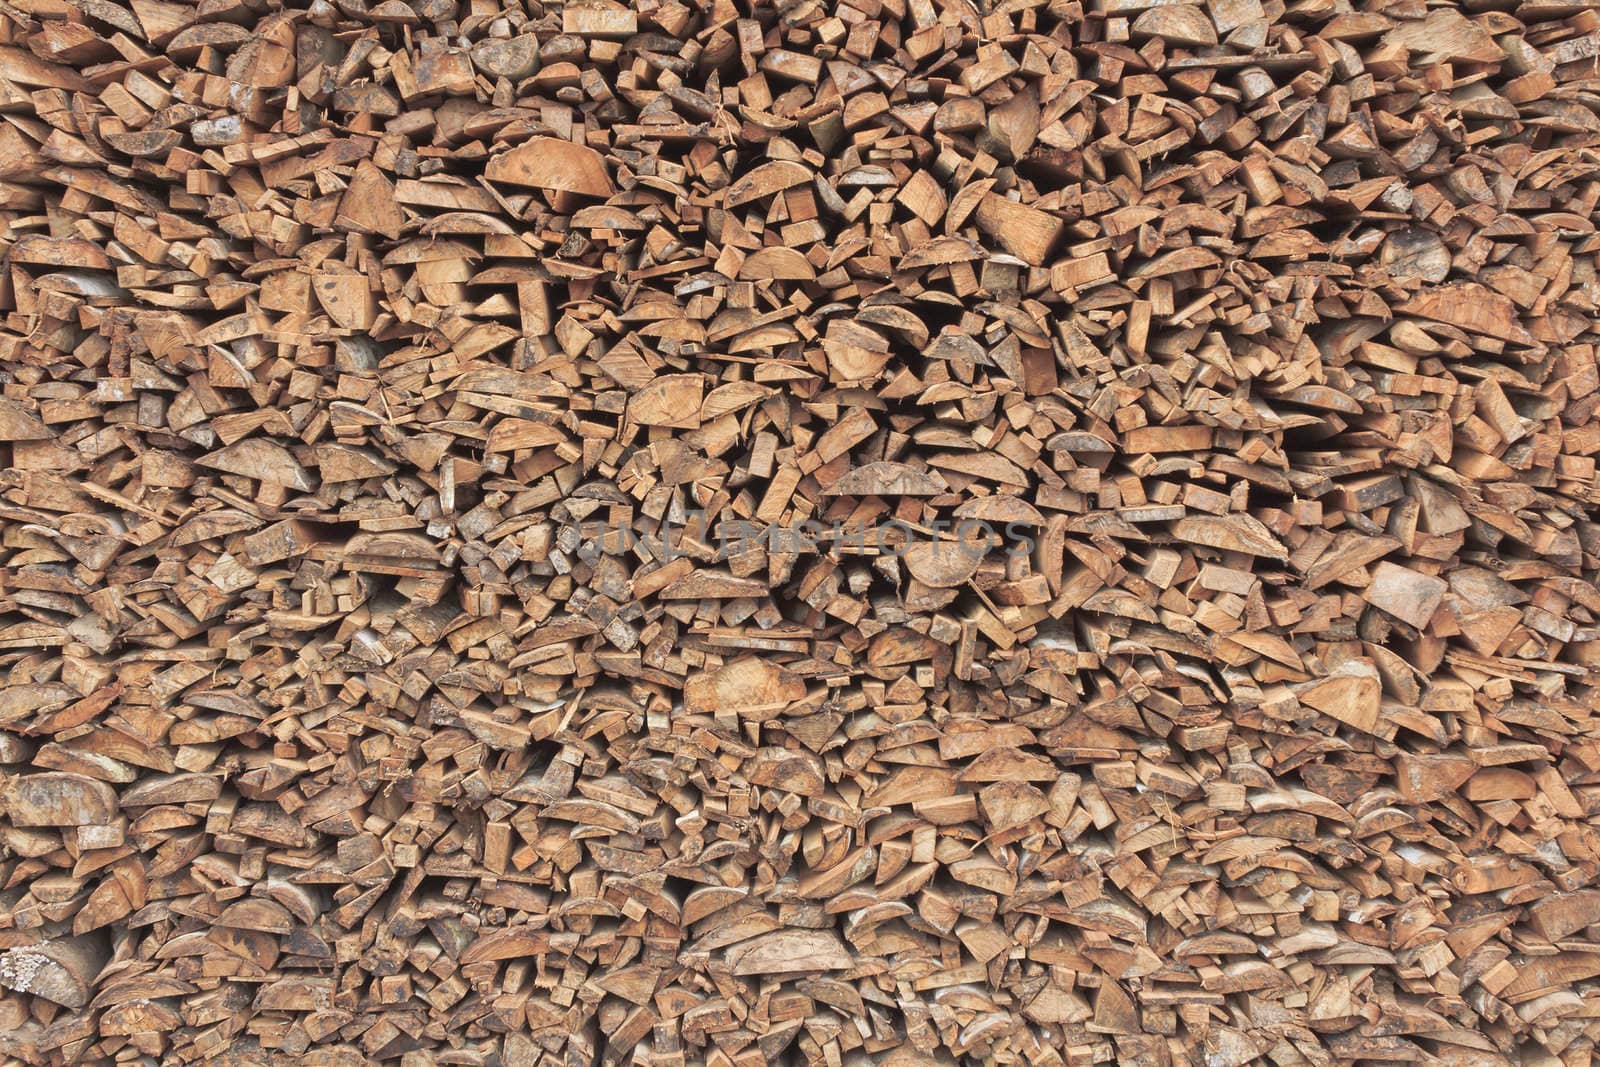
x=871 y=532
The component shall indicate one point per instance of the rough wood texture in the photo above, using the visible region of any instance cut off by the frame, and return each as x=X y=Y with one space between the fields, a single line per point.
x=879 y=532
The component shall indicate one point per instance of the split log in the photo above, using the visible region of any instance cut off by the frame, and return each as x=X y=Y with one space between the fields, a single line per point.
x=915 y=532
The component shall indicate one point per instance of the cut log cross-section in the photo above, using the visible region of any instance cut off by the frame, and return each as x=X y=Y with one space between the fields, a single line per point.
x=1048 y=533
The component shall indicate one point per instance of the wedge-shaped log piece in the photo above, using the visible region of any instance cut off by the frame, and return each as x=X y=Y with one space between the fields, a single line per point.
x=670 y=400
x=1408 y=595
x=261 y=459
x=777 y=263
x=369 y=204
x=1177 y=24
x=790 y=950
x=750 y=687
x=17 y=423
x=1352 y=695
x=1445 y=34
x=551 y=163
x=888 y=479
x=60 y=970
x=1234 y=533
x=506 y=944
x=1471 y=307
x=58 y=799
x=767 y=179
x=599 y=18
x=945 y=564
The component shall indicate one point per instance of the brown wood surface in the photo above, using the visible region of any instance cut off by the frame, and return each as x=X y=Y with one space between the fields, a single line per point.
x=898 y=532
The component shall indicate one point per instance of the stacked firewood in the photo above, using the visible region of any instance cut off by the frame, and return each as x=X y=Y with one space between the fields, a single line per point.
x=892 y=532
